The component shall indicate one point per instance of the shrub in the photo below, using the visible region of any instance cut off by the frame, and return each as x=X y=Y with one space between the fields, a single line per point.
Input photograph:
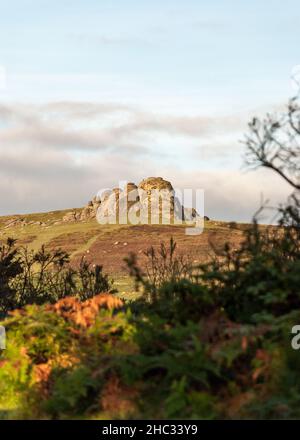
x=162 y=266
x=10 y=267
x=52 y=359
x=29 y=277
x=76 y=358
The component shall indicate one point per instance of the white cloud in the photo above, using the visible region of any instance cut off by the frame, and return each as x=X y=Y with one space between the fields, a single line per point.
x=58 y=155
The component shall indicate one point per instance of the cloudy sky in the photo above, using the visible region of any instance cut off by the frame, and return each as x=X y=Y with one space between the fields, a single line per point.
x=93 y=92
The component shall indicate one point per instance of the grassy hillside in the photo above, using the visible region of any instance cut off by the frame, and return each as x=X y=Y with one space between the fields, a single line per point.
x=108 y=245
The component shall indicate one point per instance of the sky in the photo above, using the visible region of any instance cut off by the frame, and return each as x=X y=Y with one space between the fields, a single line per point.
x=97 y=92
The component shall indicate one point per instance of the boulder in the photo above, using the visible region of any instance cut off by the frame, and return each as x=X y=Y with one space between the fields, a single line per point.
x=70 y=217
x=158 y=183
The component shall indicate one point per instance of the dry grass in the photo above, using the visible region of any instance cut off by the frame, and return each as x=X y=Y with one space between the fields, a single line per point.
x=108 y=245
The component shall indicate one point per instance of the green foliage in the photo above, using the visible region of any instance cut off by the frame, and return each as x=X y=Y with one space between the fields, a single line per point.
x=90 y=281
x=70 y=392
x=163 y=266
x=245 y=301
x=28 y=277
x=9 y=268
x=260 y=280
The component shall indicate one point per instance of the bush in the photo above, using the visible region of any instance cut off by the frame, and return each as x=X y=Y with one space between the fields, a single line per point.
x=29 y=277
x=51 y=362
x=162 y=266
x=10 y=267
x=89 y=358
x=259 y=281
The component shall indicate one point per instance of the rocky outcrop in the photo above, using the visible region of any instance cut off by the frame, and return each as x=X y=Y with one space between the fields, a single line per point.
x=154 y=198
x=88 y=212
x=21 y=222
x=152 y=183
x=158 y=197
x=71 y=216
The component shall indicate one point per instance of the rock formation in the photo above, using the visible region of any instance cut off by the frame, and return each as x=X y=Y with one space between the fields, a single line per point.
x=154 y=197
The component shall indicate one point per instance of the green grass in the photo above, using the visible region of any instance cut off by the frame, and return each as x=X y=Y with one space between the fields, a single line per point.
x=79 y=237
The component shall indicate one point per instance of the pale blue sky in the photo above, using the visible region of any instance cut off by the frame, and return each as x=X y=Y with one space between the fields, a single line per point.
x=218 y=61
x=220 y=46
